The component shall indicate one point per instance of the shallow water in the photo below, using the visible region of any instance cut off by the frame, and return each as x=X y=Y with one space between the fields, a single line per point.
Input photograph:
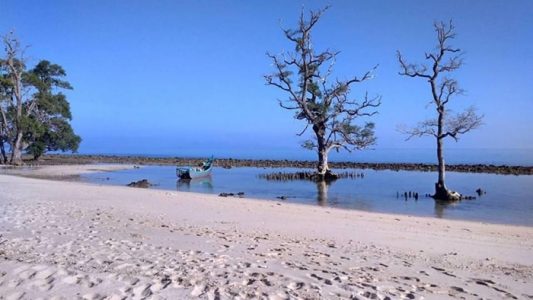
x=509 y=198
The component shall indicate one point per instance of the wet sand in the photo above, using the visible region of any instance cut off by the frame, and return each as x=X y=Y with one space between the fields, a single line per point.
x=75 y=240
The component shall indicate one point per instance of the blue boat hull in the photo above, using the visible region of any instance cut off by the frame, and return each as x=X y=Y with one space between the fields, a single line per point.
x=193 y=173
x=196 y=172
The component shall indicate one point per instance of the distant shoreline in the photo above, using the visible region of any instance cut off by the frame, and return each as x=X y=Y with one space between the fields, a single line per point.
x=67 y=159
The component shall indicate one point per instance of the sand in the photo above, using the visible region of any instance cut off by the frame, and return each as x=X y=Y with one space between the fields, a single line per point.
x=61 y=171
x=68 y=240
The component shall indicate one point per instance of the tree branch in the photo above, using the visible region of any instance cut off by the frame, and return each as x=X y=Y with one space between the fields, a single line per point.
x=462 y=123
x=304 y=130
x=411 y=70
x=427 y=127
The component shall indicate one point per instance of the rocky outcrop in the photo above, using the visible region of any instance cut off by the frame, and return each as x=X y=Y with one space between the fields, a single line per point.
x=143 y=183
x=262 y=163
x=312 y=176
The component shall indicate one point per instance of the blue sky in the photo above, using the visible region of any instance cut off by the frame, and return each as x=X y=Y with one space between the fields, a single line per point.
x=186 y=77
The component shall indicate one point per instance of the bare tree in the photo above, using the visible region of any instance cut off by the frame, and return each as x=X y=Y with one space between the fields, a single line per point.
x=16 y=95
x=4 y=124
x=324 y=104
x=444 y=60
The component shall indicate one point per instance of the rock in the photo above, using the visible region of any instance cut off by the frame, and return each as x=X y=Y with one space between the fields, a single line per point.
x=454 y=196
x=143 y=183
x=239 y=194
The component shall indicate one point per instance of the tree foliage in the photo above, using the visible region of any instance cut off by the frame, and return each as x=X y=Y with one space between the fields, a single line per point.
x=34 y=114
x=323 y=103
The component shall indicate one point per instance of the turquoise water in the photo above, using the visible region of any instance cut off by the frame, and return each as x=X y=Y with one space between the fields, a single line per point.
x=509 y=198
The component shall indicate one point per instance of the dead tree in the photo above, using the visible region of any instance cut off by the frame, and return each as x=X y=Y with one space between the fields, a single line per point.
x=322 y=103
x=444 y=60
x=16 y=96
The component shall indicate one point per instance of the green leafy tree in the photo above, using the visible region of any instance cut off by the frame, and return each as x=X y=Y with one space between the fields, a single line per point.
x=57 y=135
x=322 y=103
x=50 y=129
x=34 y=115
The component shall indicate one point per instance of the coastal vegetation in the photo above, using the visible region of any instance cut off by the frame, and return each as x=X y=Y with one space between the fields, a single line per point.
x=322 y=103
x=444 y=60
x=34 y=114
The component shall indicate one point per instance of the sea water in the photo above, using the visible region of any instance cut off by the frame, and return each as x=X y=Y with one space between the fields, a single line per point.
x=508 y=198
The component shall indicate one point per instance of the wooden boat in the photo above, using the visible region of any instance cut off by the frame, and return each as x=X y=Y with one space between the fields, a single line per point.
x=203 y=170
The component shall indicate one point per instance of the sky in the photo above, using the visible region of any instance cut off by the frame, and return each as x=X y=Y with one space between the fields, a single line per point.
x=186 y=77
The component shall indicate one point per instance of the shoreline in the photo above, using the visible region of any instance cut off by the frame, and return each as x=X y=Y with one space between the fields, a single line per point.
x=50 y=173
x=71 y=238
x=63 y=159
x=61 y=172
x=71 y=173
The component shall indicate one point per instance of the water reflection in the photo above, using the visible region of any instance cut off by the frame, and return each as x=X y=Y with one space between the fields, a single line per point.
x=377 y=192
x=204 y=184
x=441 y=206
x=322 y=192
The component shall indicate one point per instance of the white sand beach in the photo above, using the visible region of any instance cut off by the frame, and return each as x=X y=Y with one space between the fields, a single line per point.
x=68 y=240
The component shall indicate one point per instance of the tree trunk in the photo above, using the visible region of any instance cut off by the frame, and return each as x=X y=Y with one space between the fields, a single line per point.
x=3 y=139
x=16 y=151
x=322 y=152
x=322 y=166
x=36 y=157
x=323 y=171
x=3 y=158
x=441 y=191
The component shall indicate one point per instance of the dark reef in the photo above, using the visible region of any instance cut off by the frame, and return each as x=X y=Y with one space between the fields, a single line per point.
x=55 y=159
